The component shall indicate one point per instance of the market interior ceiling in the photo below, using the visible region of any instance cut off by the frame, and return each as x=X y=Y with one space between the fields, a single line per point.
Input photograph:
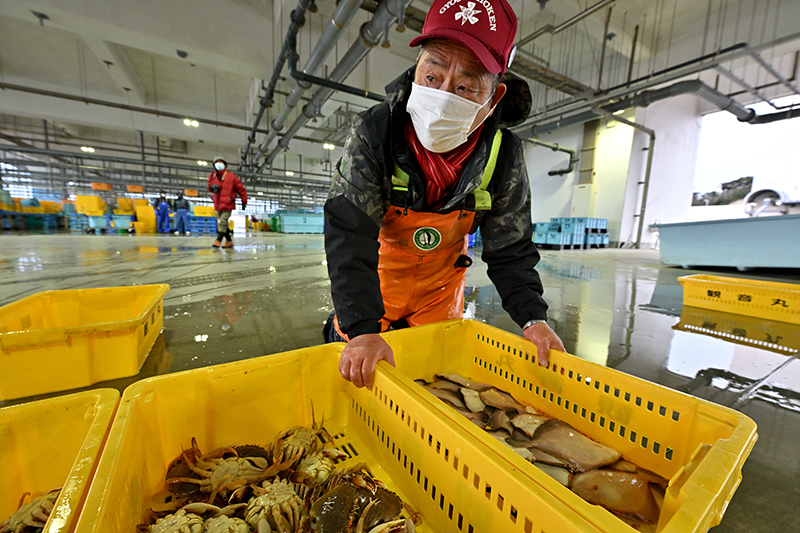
x=148 y=65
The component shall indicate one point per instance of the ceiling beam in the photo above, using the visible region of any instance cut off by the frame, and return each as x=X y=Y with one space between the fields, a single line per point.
x=118 y=66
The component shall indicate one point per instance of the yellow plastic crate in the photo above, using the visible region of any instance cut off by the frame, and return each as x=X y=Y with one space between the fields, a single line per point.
x=125 y=204
x=410 y=447
x=204 y=211
x=773 y=336
x=144 y=227
x=59 y=340
x=699 y=446
x=90 y=205
x=11 y=208
x=763 y=299
x=33 y=210
x=51 y=207
x=146 y=214
x=54 y=443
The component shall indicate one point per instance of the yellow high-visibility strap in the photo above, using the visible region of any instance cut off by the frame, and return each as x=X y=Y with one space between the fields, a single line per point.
x=400 y=179
x=483 y=200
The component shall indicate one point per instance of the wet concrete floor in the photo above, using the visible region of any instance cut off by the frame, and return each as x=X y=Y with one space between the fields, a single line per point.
x=619 y=308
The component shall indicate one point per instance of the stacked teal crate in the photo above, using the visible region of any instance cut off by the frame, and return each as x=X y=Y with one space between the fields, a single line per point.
x=301 y=223
x=123 y=221
x=571 y=232
x=99 y=222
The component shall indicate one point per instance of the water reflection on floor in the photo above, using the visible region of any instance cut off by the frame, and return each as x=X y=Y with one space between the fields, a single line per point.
x=619 y=308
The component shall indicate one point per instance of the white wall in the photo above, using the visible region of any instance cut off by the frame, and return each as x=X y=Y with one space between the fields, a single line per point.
x=676 y=122
x=611 y=162
x=551 y=196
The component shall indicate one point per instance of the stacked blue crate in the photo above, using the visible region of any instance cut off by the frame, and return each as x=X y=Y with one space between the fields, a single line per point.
x=559 y=239
x=200 y=224
x=77 y=223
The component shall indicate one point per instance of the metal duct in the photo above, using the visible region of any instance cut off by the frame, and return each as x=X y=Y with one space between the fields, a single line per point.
x=342 y=16
x=573 y=156
x=298 y=19
x=646 y=98
x=369 y=36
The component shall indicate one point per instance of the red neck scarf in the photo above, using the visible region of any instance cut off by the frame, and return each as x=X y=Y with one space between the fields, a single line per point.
x=441 y=170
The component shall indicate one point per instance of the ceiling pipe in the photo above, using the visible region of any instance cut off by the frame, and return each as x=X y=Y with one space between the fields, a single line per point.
x=573 y=155
x=646 y=183
x=341 y=87
x=646 y=98
x=549 y=28
x=370 y=35
x=298 y=20
x=342 y=16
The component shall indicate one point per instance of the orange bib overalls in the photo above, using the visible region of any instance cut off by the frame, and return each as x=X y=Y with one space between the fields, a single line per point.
x=417 y=259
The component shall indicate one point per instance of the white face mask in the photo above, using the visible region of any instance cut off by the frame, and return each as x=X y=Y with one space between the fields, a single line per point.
x=219 y=166
x=442 y=120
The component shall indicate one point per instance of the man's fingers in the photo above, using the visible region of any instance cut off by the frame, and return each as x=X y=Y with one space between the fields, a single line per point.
x=355 y=373
x=543 y=350
x=368 y=371
x=344 y=361
x=390 y=358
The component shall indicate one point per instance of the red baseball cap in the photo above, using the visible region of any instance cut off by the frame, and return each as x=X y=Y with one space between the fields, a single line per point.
x=486 y=27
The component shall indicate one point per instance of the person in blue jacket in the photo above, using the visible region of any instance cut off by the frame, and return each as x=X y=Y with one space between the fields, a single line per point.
x=162 y=213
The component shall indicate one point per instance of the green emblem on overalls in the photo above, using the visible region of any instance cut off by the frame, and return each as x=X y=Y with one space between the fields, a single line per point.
x=427 y=238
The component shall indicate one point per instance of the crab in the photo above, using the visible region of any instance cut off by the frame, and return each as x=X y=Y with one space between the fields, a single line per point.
x=298 y=441
x=276 y=508
x=356 y=502
x=189 y=519
x=318 y=466
x=358 y=475
x=223 y=471
x=226 y=524
x=182 y=521
x=32 y=514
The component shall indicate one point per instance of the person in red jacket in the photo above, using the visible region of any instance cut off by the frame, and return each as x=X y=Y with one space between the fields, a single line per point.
x=224 y=186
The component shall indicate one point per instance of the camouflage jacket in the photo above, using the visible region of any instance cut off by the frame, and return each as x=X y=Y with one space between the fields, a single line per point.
x=361 y=193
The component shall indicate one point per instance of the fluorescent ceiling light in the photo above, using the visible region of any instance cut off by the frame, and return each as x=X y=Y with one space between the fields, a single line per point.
x=621 y=111
x=289 y=173
x=190 y=122
x=203 y=163
x=328 y=146
x=87 y=149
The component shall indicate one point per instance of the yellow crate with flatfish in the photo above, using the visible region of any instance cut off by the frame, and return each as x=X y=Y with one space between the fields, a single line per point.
x=698 y=446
